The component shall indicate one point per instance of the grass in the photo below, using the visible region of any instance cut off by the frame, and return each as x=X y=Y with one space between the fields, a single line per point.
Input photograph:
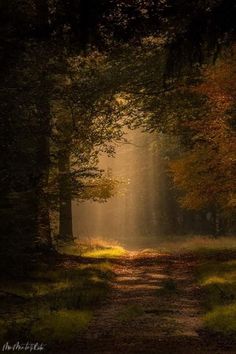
x=200 y=245
x=111 y=252
x=222 y=320
x=55 y=303
x=216 y=277
x=49 y=327
x=217 y=281
x=94 y=248
x=63 y=326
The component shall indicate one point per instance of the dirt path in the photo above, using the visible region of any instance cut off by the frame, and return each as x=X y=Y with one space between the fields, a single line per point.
x=152 y=308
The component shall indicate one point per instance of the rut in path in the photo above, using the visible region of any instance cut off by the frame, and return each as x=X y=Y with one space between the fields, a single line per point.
x=153 y=308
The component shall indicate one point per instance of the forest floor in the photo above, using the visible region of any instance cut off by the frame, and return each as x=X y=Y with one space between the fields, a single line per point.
x=111 y=301
x=154 y=307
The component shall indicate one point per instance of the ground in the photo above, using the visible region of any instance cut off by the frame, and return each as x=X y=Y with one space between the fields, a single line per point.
x=153 y=307
x=112 y=301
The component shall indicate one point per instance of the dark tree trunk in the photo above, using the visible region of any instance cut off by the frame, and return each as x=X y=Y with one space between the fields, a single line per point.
x=42 y=27
x=44 y=229
x=216 y=223
x=65 y=208
x=43 y=108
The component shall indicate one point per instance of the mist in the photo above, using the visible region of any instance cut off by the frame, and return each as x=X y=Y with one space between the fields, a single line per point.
x=140 y=214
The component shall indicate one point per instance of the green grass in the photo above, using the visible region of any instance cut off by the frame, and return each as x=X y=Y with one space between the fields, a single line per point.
x=111 y=252
x=222 y=320
x=200 y=245
x=94 y=248
x=60 y=326
x=55 y=303
x=217 y=280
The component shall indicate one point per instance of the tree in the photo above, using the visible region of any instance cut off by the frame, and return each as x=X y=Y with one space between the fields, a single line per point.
x=39 y=38
x=206 y=172
x=85 y=126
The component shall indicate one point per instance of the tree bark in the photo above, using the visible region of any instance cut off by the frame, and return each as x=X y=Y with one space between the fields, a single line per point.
x=43 y=107
x=42 y=27
x=65 y=207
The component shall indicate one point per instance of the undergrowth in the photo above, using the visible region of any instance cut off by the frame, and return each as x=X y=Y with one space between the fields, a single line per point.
x=54 y=304
x=94 y=248
x=217 y=280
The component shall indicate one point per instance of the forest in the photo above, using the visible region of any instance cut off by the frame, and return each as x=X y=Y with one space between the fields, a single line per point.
x=117 y=170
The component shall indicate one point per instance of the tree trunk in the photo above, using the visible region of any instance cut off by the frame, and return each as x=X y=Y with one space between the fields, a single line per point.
x=65 y=219
x=216 y=223
x=44 y=229
x=42 y=22
x=44 y=114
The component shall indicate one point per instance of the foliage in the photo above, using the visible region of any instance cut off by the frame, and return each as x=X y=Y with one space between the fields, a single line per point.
x=205 y=173
x=67 y=66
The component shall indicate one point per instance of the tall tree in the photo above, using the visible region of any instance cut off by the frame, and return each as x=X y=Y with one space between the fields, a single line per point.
x=206 y=172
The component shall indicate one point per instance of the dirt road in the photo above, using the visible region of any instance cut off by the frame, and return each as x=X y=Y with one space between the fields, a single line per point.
x=153 y=308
